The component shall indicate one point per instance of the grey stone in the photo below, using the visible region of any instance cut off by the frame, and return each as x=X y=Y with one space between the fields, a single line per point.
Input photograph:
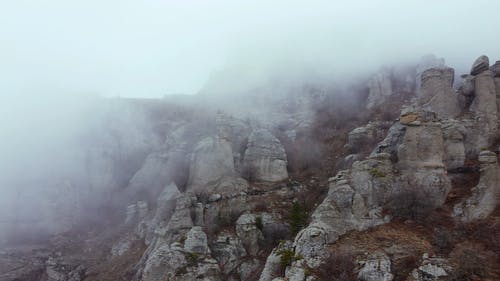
x=480 y=64
x=265 y=158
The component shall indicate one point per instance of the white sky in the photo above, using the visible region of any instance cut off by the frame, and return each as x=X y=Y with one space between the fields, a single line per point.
x=148 y=48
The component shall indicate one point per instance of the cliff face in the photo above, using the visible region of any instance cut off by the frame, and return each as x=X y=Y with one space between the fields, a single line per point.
x=392 y=181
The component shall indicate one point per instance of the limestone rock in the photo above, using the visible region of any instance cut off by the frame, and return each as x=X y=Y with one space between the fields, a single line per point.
x=181 y=219
x=436 y=92
x=272 y=268
x=485 y=108
x=431 y=269
x=211 y=161
x=249 y=269
x=380 y=87
x=265 y=158
x=426 y=62
x=495 y=68
x=483 y=199
x=150 y=179
x=481 y=64
x=196 y=241
x=376 y=268
x=165 y=204
x=162 y=264
x=228 y=251
x=249 y=233
x=453 y=133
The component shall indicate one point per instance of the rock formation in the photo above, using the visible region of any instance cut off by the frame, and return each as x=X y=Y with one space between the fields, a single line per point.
x=265 y=158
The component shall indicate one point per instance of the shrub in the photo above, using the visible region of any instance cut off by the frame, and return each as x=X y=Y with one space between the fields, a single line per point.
x=287 y=256
x=410 y=204
x=298 y=217
x=377 y=173
x=339 y=266
x=192 y=259
x=258 y=223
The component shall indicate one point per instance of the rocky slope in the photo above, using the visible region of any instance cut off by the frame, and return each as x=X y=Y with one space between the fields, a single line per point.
x=396 y=179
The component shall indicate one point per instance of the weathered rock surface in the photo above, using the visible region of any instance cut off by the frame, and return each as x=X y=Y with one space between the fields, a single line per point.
x=212 y=160
x=431 y=269
x=426 y=62
x=484 y=196
x=265 y=158
x=380 y=88
x=481 y=64
x=453 y=133
x=484 y=106
x=196 y=241
x=376 y=268
x=436 y=92
x=228 y=250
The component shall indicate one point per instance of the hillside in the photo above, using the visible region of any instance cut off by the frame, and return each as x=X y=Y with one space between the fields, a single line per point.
x=393 y=176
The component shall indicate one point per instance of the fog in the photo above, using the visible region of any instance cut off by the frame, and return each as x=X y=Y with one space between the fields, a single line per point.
x=58 y=59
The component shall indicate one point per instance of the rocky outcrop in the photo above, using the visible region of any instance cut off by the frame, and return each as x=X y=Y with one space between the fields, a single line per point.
x=431 y=269
x=356 y=196
x=273 y=266
x=196 y=241
x=380 y=87
x=229 y=251
x=484 y=196
x=362 y=137
x=485 y=107
x=212 y=160
x=426 y=62
x=480 y=65
x=265 y=158
x=436 y=93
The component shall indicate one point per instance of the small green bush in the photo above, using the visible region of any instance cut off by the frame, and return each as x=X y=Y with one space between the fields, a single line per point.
x=298 y=217
x=258 y=223
x=377 y=173
x=192 y=259
x=287 y=256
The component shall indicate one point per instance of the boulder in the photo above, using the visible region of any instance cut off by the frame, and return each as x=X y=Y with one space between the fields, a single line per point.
x=249 y=269
x=376 y=268
x=265 y=158
x=196 y=241
x=162 y=264
x=431 y=269
x=480 y=64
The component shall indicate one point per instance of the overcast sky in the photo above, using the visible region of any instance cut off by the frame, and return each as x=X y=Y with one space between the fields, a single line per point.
x=149 y=48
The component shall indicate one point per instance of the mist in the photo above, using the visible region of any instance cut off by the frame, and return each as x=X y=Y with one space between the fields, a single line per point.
x=60 y=61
